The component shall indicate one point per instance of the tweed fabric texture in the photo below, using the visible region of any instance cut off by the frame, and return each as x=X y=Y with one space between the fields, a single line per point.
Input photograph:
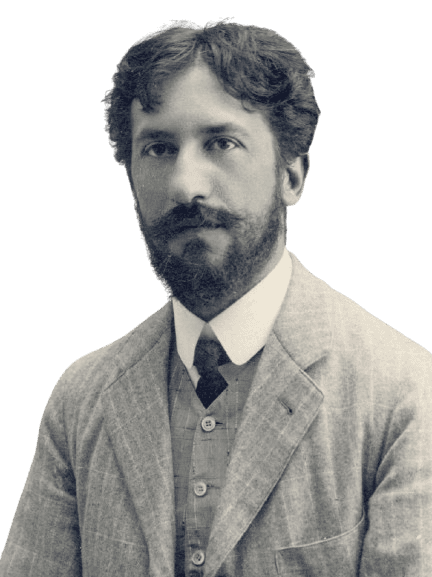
x=200 y=456
x=330 y=473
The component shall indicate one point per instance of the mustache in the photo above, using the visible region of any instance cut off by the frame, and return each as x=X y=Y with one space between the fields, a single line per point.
x=183 y=217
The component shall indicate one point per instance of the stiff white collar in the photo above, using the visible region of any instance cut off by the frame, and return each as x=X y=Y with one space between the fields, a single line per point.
x=244 y=327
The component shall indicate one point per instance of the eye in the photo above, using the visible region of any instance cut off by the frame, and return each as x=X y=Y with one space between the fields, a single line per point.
x=223 y=144
x=159 y=149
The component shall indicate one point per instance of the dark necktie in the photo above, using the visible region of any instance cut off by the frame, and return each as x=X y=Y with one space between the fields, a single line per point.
x=208 y=356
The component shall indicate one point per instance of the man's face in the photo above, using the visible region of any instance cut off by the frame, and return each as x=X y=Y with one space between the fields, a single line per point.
x=204 y=174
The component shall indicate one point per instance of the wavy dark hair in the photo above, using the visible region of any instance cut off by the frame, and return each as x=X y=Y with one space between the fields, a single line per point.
x=255 y=65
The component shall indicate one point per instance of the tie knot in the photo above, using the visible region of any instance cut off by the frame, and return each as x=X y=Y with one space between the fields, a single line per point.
x=208 y=356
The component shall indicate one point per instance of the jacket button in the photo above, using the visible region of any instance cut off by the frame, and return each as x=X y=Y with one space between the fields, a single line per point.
x=208 y=424
x=198 y=557
x=200 y=489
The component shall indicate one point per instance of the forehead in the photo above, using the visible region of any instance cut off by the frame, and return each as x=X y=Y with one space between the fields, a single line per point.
x=195 y=100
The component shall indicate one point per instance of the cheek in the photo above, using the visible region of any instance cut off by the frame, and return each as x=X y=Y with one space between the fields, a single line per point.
x=149 y=192
x=256 y=187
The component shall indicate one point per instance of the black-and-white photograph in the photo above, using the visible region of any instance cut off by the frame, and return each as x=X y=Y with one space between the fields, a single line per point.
x=216 y=290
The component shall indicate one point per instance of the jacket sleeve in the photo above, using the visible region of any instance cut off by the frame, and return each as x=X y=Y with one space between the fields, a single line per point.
x=398 y=540
x=44 y=539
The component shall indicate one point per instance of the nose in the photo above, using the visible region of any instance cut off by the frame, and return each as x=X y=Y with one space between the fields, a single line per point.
x=190 y=178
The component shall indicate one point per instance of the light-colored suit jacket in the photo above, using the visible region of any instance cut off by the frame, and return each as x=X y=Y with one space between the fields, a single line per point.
x=330 y=473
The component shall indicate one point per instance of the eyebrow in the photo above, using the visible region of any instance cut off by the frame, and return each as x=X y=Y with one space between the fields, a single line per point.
x=148 y=134
x=221 y=128
x=154 y=134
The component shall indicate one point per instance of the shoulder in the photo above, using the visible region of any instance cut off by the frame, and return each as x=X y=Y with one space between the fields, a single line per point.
x=364 y=354
x=82 y=384
x=349 y=324
x=357 y=333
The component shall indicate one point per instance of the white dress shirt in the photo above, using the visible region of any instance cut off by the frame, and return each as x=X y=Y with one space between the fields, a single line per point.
x=243 y=328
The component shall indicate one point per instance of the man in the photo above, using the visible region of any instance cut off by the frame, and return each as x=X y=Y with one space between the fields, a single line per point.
x=260 y=423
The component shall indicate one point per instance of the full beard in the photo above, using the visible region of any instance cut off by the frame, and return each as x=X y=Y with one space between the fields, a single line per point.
x=191 y=277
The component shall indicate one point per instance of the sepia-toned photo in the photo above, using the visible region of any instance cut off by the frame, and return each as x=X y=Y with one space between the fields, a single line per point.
x=216 y=293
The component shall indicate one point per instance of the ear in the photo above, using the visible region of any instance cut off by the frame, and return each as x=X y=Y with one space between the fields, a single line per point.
x=293 y=179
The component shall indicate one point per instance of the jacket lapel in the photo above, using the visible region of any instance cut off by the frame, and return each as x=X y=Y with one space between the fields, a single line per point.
x=137 y=422
x=282 y=404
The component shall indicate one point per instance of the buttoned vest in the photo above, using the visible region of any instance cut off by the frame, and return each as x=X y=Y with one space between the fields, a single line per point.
x=202 y=443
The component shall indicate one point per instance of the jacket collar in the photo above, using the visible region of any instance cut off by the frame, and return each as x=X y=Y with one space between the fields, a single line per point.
x=303 y=326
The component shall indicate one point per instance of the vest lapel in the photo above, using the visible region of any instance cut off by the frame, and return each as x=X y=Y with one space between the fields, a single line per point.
x=137 y=422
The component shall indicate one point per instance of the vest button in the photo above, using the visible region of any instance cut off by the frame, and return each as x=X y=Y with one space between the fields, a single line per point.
x=198 y=557
x=208 y=424
x=200 y=489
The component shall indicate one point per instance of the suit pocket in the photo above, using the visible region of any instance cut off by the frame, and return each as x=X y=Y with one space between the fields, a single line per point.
x=335 y=557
